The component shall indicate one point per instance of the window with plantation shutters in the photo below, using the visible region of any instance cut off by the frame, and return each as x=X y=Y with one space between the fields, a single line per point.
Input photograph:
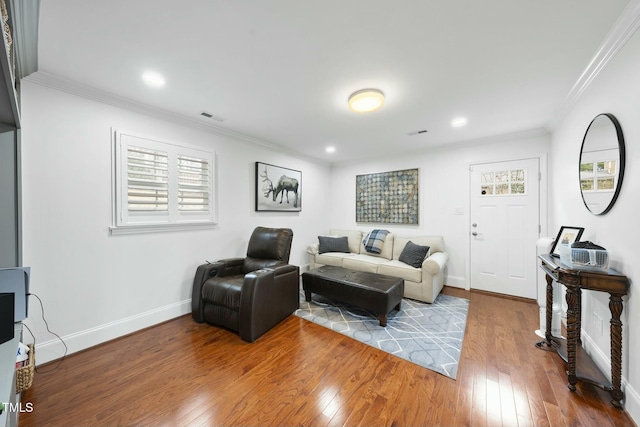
x=160 y=184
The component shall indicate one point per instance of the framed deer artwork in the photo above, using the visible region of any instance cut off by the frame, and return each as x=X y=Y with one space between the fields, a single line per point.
x=278 y=188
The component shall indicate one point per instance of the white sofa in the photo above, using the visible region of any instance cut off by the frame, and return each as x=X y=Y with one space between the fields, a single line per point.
x=422 y=284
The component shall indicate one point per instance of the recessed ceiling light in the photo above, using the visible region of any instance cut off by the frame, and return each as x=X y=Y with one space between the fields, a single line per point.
x=366 y=100
x=153 y=79
x=459 y=122
x=330 y=150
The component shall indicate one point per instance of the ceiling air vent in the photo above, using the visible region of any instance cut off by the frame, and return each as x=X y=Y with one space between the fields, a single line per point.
x=211 y=116
x=416 y=132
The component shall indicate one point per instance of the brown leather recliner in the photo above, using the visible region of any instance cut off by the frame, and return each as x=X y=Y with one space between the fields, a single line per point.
x=249 y=295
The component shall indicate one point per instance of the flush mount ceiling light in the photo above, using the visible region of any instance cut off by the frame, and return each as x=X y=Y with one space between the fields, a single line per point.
x=366 y=100
x=459 y=122
x=330 y=149
x=153 y=79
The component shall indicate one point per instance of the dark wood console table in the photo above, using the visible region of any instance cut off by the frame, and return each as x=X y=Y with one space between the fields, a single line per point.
x=579 y=364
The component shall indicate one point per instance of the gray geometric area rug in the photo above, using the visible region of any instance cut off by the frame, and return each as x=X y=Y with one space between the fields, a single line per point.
x=429 y=335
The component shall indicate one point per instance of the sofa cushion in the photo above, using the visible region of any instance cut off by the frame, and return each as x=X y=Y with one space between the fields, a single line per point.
x=333 y=244
x=400 y=269
x=413 y=254
x=332 y=258
x=362 y=262
x=353 y=236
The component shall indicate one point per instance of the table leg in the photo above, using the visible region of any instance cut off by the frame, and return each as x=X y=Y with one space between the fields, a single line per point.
x=615 y=306
x=573 y=311
x=579 y=317
x=547 y=343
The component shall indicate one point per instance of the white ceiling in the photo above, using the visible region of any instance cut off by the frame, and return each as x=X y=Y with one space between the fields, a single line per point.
x=280 y=71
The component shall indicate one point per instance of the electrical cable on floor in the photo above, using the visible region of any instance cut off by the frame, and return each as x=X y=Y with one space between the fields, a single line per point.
x=51 y=332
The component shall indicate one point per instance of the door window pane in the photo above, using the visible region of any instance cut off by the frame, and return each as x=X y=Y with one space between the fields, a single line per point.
x=517 y=175
x=502 y=188
x=486 y=190
x=517 y=188
x=502 y=176
x=486 y=178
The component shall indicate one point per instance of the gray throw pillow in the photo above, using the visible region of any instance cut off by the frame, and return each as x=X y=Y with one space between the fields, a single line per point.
x=333 y=244
x=413 y=254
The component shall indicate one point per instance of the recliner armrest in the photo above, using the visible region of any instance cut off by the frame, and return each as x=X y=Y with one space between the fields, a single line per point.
x=230 y=266
x=284 y=269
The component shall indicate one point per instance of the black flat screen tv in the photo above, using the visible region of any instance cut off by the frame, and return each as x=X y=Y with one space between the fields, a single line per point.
x=16 y=280
x=7 y=301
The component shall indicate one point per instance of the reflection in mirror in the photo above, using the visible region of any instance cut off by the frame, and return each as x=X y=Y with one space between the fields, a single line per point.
x=601 y=163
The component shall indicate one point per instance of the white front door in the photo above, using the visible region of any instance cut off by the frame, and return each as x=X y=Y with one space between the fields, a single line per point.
x=505 y=226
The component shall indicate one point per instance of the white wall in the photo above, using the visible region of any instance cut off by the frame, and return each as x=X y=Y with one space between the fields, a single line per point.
x=95 y=286
x=444 y=188
x=616 y=90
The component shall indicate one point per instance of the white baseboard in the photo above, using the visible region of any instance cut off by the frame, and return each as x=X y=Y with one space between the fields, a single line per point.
x=53 y=349
x=631 y=401
x=456 y=282
x=631 y=396
x=600 y=359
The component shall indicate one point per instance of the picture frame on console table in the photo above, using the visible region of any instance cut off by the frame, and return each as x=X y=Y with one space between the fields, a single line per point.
x=278 y=189
x=566 y=236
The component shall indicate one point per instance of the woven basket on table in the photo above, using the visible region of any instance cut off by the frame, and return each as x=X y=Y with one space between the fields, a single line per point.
x=24 y=375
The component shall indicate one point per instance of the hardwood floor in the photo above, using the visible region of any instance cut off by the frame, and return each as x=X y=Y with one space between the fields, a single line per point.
x=182 y=373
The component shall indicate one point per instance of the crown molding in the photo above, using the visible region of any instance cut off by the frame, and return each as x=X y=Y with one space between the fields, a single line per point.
x=456 y=144
x=494 y=139
x=69 y=86
x=62 y=84
x=623 y=29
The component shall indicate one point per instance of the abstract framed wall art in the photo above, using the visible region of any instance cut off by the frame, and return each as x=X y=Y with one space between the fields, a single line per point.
x=388 y=197
x=278 y=188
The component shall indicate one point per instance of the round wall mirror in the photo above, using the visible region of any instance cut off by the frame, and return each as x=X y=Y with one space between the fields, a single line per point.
x=601 y=163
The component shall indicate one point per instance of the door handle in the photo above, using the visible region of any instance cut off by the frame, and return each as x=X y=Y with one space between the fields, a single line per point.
x=475 y=233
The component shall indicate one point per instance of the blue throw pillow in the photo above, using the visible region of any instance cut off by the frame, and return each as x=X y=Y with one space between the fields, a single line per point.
x=413 y=254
